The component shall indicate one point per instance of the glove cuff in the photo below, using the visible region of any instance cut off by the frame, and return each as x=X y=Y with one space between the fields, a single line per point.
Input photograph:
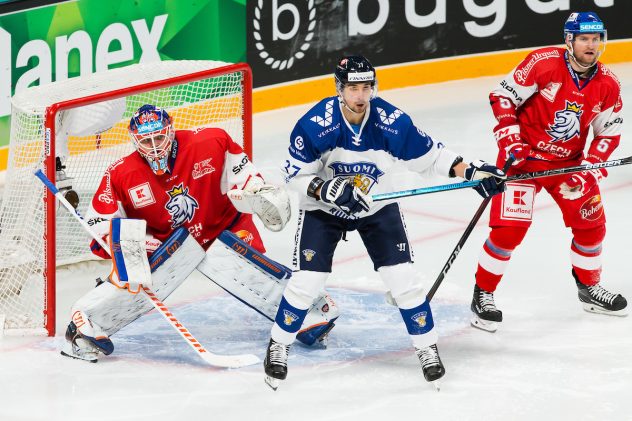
x=506 y=131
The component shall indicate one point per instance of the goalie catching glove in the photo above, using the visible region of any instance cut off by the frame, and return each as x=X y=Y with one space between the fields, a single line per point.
x=492 y=178
x=270 y=203
x=578 y=184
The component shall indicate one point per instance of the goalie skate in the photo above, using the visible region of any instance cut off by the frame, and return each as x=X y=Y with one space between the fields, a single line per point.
x=84 y=348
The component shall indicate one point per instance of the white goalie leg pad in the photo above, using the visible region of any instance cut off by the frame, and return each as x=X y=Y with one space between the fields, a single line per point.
x=245 y=273
x=260 y=282
x=112 y=308
x=129 y=256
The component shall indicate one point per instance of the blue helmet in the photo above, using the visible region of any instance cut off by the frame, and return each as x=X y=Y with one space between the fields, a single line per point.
x=584 y=23
x=152 y=132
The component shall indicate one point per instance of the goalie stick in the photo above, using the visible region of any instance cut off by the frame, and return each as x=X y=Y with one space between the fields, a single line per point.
x=517 y=177
x=225 y=361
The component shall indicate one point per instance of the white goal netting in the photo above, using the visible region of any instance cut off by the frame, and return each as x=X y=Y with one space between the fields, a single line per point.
x=88 y=137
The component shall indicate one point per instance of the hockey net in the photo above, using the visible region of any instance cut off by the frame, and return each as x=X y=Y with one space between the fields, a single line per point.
x=81 y=123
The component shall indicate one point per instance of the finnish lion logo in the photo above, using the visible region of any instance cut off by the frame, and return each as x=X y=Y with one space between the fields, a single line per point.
x=181 y=206
x=566 y=123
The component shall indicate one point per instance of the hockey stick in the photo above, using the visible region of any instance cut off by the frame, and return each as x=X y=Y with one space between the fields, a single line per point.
x=517 y=177
x=463 y=239
x=226 y=361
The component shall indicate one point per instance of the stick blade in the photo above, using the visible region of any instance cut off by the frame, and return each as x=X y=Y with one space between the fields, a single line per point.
x=230 y=361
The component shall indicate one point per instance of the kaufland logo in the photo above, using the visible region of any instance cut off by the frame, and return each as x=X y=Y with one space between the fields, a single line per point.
x=117 y=43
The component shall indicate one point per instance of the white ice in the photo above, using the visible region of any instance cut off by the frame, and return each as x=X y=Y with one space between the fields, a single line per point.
x=549 y=360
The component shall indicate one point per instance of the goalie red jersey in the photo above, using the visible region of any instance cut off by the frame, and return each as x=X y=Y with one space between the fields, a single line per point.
x=205 y=163
x=554 y=108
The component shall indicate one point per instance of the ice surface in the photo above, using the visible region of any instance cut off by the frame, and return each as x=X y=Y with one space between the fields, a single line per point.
x=549 y=360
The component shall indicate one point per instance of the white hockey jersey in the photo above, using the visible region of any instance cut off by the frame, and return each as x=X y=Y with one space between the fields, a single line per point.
x=324 y=144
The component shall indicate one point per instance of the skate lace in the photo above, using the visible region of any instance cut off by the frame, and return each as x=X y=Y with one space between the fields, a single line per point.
x=486 y=300
x=428 y=356
x=601 y=294
x=279 y=353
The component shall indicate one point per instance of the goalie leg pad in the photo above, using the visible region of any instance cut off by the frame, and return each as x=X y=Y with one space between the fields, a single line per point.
x=111 y=308
x=259 y=282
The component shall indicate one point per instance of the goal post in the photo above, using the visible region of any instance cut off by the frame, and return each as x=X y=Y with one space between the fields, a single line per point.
x=73 y=129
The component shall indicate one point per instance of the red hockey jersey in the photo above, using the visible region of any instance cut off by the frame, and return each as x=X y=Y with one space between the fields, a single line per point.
x=205 y=164
x=555 y=109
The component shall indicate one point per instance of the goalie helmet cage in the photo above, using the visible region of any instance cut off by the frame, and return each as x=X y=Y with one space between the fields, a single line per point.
x=81 y=123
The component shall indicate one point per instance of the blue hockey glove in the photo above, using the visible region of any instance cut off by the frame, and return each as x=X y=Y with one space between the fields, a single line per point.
x=492 y=178
x=340 y=192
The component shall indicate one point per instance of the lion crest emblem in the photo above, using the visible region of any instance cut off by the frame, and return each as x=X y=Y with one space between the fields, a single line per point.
x=566 y=124
x=181 y=206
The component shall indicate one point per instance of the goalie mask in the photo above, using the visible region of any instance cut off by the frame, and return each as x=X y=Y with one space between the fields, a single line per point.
x=355 y=69
x=152 y=132
x=584 y=23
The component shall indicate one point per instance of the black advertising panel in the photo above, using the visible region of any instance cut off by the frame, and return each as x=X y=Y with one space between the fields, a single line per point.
x=296 y=39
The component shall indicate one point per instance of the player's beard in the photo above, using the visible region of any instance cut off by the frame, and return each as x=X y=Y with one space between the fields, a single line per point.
x=587 y=60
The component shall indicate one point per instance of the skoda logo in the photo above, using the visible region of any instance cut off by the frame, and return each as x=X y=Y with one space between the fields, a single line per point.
x=281 y=26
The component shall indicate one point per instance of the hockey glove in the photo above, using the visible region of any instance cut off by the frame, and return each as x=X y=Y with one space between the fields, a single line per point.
x=508 y=140
x=492 y=178
x=578 y=184
x=340 y=192
x=270 y=203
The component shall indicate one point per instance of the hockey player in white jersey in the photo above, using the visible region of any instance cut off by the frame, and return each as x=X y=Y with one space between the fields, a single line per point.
x=344 y=148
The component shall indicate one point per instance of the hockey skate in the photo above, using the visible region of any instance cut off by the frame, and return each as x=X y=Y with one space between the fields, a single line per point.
x=485 y=314
x=83 y=347
x=597 y=299
x=275 y=363
x=431 y=364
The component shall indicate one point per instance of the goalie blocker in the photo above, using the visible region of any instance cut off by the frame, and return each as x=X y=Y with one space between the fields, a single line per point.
x=233 y=265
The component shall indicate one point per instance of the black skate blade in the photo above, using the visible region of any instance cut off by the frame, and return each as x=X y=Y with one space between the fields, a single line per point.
x=485 y=325
x=74 y=357
x=592 y=308
x=272 y=382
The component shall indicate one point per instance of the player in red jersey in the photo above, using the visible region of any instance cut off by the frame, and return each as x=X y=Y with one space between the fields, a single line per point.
x=545 y=108
x=185 y=184
x=181 y=188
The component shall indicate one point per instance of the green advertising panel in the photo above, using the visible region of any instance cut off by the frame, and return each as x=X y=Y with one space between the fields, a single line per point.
x=52 y=43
